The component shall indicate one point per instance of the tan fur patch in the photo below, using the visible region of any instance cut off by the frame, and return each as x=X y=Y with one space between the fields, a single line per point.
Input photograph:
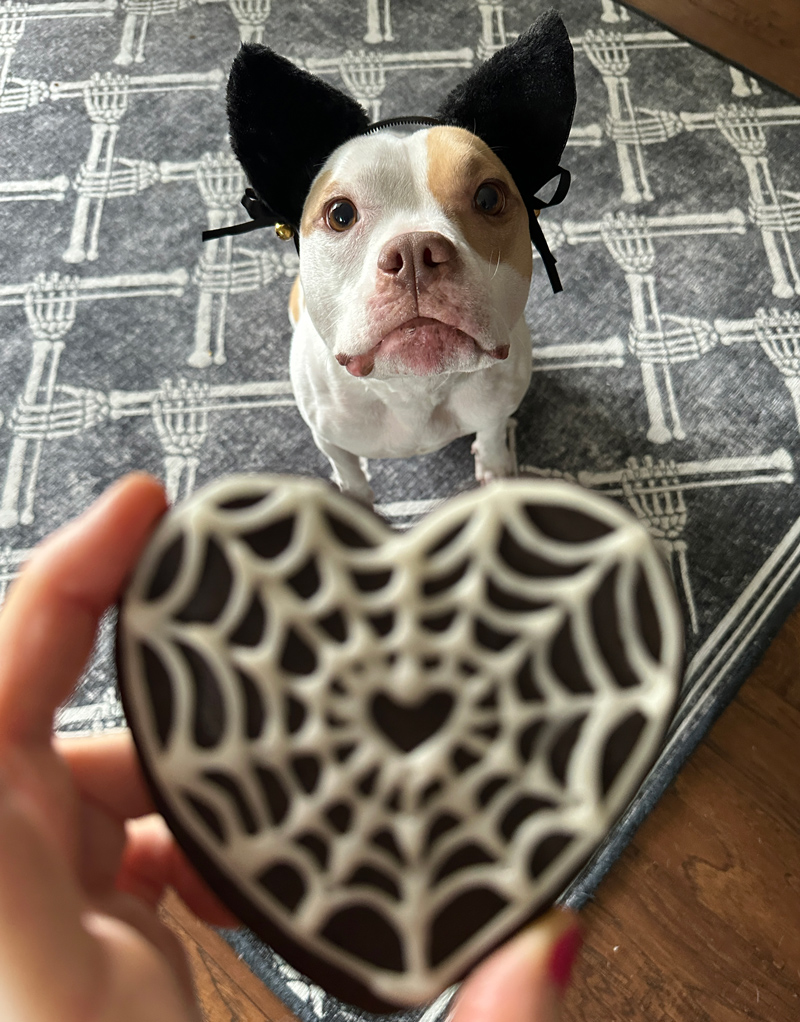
x=458 y=163
x=296 y=302
x=322 y=191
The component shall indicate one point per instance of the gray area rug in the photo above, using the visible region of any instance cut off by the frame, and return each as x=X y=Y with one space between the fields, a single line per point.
x=667 y=374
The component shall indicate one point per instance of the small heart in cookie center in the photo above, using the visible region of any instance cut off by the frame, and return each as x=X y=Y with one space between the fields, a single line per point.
x=408 y=726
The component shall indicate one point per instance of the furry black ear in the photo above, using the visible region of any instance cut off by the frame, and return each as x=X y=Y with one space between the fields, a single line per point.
x=521 y=103
x=284 y=123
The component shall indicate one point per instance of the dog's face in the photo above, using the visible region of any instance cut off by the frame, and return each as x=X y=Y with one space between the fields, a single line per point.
x=415 y=254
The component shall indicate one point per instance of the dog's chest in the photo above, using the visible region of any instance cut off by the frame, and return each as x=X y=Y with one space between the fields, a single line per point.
x=405 y=425
x=377 y=419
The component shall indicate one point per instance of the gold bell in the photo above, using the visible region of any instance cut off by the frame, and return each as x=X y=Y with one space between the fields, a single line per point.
x=284 y=232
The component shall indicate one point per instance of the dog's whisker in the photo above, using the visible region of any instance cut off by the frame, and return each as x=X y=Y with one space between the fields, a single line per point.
x=498 y=264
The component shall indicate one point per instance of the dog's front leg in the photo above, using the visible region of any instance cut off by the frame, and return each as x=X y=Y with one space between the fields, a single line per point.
x=494 y=457
x=348 y=471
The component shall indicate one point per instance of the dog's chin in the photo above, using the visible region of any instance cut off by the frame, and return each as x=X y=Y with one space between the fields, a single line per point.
x=423 y=347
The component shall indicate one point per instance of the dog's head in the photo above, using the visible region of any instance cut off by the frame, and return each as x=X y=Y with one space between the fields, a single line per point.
x=415 y=245
x=415 y=254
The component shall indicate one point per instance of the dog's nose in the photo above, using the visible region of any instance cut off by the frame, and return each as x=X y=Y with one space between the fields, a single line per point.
x=418 y=255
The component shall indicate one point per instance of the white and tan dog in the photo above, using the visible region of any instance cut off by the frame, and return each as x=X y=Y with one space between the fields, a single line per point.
x=415 y=263
x=415 y=248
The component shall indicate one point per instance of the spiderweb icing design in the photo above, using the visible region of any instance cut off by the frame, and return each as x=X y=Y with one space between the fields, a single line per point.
x=398 y=746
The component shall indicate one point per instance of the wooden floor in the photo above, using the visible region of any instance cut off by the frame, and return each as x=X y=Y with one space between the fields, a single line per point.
x=699 y=921
x=760 y=35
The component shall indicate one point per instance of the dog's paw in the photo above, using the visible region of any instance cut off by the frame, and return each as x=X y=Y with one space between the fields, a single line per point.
x=487 y=470
x=362 y=496
x=349 y=475
x=356 y=489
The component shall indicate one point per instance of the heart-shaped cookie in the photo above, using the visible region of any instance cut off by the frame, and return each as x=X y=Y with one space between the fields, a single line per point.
x=389 y=751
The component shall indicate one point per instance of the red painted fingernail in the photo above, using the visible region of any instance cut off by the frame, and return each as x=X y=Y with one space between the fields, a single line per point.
x=563 y=958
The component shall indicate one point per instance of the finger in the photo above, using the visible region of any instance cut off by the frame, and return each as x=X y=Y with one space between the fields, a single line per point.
x=143 y=980
x=118 y=907
x=152 y=861
x=107 y=773
x=48 y=623
x=49 y=965
x=525 y=979
x=101 y=844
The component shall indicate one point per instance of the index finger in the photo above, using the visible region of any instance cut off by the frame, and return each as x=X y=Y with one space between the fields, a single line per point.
x=49 y=620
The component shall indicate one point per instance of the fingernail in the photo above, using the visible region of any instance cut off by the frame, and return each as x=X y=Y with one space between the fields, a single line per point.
x=562 y=958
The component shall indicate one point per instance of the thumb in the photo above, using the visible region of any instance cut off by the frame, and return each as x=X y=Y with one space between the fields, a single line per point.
x=525 y=979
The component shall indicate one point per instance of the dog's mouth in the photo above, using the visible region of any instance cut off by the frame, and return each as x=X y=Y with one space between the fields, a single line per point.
x=423 y=347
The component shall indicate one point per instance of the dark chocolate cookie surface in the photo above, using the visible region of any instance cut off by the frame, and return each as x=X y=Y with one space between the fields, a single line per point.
x=388 y=751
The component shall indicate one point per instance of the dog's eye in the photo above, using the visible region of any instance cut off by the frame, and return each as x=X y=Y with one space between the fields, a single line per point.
x=341 y=215
x=490 y=198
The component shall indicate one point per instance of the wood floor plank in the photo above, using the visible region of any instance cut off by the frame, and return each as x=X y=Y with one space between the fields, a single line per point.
x=226 y=989
x=761 y=35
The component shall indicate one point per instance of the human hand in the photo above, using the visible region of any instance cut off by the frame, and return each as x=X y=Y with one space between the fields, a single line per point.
x=83 y=859
x=82 y=863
